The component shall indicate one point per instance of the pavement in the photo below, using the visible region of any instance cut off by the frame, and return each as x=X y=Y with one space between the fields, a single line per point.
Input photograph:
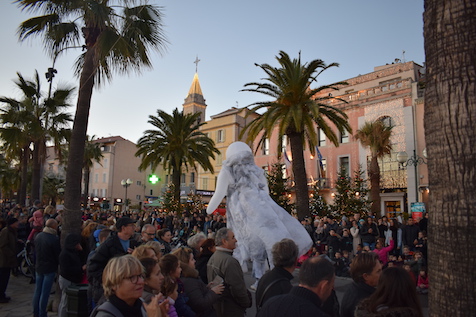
x=21 y=292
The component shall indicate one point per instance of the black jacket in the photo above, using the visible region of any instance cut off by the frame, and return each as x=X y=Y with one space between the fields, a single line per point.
x=366 y=236
x=409 y=234
x=69 y=259
x=299 y=302
x=47 y=250
x=282 y=286
x=354 y=294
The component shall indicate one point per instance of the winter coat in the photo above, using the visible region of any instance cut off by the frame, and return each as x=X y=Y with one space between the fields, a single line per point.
x=410 y=234
x=353 y=295
x=384 y=311
x=200 y=297
x=201 y=266
x=366 y=236
x=355 y=232
x=282 y=284
x=236 y=297
x=69 y=259
x=383 y=253
x=8 y=240
x=299 y=302
x=47 y=250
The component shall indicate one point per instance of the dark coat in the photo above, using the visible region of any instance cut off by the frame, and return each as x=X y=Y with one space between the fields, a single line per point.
x=299 y=302
x=352 y=297
x=283 y=286
x=362 y=311
x=8 y=240
x=366 y=236
x=47 y=250
x=200 y=297
x=201 y=266
x=70 y=260
x=410 y=234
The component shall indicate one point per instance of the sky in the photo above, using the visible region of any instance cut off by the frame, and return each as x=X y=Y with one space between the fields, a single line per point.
x=228 y=37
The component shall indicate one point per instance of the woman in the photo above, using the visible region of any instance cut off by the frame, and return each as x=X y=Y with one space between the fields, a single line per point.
x=145 y=251
x=123 y=283
x=153 y=279
x=201 y=297
x=256 y=220
x=207 y=249
x=396 y=233
x=395 y=296
x=369 y=233
x=355 y=232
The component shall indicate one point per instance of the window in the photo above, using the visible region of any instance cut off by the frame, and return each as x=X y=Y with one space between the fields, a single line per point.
x=139 y=183
x=265 y=147
x=344 y=164
x=387 y=121
x=138 y=197
x=105 y=192
x=104 y=178
x=205 y=183
x=322 y=168
x=96 y=178
x=182 y=179
x=219 y=159
x=344 y=137
x=105 y=162
x=322 y=137
x=221 y=136
x=192 y=177
x=284 y=143
x=166 y=179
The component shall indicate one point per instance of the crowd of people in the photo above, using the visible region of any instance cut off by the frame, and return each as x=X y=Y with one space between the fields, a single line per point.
x=159 y=264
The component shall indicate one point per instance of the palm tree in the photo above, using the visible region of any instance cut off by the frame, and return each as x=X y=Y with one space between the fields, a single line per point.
x=175 y=144
x=9 y=178
x=36 y=120
x=92 y=153
x=296 y=110
x=376 y=136
x=450 y=134
x=115 y=37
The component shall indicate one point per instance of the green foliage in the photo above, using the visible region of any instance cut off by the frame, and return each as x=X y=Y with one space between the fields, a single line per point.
x=278 y=189
x=351 y=195
x=170 y=204
x=194 y=203
x=317 y=204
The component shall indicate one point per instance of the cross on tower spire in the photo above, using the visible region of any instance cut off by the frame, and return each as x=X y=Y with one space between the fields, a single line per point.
x=196 y=64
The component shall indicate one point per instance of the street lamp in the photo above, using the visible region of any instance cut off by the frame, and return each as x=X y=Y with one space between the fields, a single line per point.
x=126 y=183
x=415 y=160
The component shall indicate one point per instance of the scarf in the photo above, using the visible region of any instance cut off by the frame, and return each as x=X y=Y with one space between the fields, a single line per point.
x=125 y=309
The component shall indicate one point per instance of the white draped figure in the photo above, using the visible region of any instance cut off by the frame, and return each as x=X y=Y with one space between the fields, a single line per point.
x=257 y=221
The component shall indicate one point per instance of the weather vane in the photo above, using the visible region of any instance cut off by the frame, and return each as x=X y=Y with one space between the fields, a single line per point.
x=196 y=64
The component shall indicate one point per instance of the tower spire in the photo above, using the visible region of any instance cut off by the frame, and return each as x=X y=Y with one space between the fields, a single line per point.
x=196 y=64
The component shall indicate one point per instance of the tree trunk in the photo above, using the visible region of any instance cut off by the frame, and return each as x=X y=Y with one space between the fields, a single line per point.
x=300 y=176
x=72 y=203
x=86 y=174
x=24 y=175
x=450 y=131
x=374 y=175
x=35 y=178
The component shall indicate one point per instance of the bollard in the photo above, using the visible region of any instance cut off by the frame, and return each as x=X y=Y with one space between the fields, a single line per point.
x=77 y=300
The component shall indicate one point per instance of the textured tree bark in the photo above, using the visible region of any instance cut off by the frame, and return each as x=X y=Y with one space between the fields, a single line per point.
x=300 y=176
x=374 y=175
x=450 y=131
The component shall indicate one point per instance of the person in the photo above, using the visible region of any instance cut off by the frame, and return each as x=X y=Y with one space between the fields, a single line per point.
x=369 y=233
x=147 y=233
x=153 y=279
x=255 y=218
x=200 y=297
x=37 y=222
x=123 y=282
x=316 y=282
x=47 y=250
x=422 y=282
x=410 y=234
x=355 y=232
x=8 y=255
x=71 y=268
x=145 y=251
x=207 y=249
x=382 y=251
x=165 y=237
x=195 y=242
x=118 y=243
x=278 y=280
x=365 y=271
x=395 y=296
x=222 y=265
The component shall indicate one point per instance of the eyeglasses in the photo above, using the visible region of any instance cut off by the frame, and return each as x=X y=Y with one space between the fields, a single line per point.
x=150 y=234
x=135 y=278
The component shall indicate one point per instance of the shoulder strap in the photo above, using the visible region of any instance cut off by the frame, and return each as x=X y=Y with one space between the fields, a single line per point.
x=260 y=301
x=108 y=308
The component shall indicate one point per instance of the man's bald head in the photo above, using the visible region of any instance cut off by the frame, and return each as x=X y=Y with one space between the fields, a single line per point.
x=51 y=223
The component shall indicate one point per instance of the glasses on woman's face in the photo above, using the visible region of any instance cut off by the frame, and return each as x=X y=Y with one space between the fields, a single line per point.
x=135 y=278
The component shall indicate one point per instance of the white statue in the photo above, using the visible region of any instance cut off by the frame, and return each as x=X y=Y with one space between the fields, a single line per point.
x=257 y=221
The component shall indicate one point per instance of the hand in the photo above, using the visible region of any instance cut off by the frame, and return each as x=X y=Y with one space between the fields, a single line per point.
x=218 y=289
x=370 y=230
x=153 y=309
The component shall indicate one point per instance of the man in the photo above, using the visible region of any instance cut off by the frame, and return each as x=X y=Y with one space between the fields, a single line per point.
x=316 y=282
x=116 y=244
x=236 y=297
x=8 y=255
x=278 y=280
x=410 y=234
x=47 y=251
x=365 y=270
x=147 y=233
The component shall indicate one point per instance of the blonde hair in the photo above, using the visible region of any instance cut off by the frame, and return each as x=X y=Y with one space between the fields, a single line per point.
x=50 y=210
x=118 y=269
x=183 y=254
x=156 y=246
x=141 y=251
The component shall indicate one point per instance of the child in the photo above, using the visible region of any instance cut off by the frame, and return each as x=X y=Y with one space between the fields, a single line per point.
x=170 y=289
x=37 y=222
x=407 y=268
x=422 y=283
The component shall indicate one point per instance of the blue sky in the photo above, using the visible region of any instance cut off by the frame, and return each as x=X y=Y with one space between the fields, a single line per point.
x=229 y=37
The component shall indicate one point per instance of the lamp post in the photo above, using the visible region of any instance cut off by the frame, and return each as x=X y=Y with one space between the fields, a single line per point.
x=126 y=183
x=415 y=160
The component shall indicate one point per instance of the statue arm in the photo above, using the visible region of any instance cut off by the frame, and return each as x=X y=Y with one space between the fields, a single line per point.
x=223 y=180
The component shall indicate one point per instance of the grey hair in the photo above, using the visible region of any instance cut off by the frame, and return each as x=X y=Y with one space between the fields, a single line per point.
x=144 y=228
x=285 y=253
x=194 y=241
x=221 y=235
